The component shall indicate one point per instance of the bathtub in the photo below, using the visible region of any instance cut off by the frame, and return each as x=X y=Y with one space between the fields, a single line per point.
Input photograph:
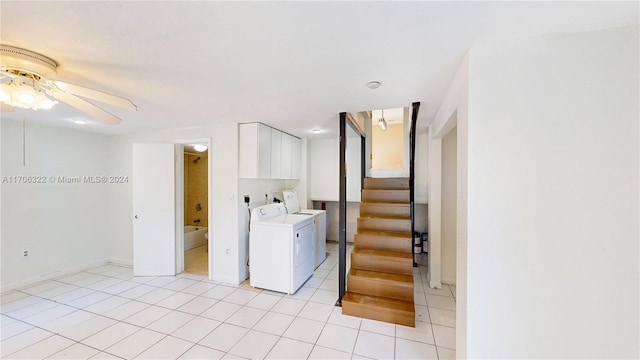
x=194 y=236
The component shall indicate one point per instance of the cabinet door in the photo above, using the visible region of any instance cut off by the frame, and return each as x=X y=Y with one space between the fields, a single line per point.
x=248 y=150
x=254 y=153
x=296 y=157
x=276 y=154
x=264 y=152
x=285 y=165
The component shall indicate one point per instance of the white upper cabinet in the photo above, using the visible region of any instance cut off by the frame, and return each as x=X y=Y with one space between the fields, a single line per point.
x=286 y=156
x=296 y=158
x=276 y=154
x=255 y=151
x=268 y=153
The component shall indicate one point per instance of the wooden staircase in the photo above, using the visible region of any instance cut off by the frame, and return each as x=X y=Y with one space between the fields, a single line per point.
x=380 y=281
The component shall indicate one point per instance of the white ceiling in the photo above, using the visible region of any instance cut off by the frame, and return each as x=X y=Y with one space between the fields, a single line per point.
x=291 y=65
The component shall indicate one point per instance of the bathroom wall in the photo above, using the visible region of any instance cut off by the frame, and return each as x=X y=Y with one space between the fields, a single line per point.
x=195 y=189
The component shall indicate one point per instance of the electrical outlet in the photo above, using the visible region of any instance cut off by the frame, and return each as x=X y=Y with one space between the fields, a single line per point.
x=25 y=254
x=228 y=250
x=247 y=200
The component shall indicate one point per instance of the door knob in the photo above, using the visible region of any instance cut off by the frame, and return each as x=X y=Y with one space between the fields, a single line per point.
x=136 y=216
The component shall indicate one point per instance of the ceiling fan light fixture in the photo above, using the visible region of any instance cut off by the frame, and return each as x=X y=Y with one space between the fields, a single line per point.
x=32 y=88
x=200 y=147
x=26 y=96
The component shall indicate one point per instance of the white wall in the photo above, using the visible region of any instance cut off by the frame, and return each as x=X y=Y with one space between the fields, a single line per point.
x=64 y=227
x=453 y=112
x=553 y=197
x=449 y=206
x=225 y=203
x=421 y=169
x=324 y=169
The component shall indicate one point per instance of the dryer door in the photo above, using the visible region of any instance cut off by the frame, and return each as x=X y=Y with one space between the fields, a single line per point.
x=303 y=244
x=302 y=260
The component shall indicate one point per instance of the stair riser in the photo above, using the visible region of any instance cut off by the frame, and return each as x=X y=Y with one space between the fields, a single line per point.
x=397 y=225
x=377 y=287
x=395 y=196
x=386 y=183
x=384 y=243
x=385 y=209
x=405 y=318
x=381 y=263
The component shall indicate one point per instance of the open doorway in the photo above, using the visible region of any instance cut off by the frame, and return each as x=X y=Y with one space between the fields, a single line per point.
x=196 y=208
x=387 y=143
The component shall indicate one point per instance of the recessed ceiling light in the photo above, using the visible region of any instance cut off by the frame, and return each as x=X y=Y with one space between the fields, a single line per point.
x=79 y=122
x=316 y=131
x=373 y=84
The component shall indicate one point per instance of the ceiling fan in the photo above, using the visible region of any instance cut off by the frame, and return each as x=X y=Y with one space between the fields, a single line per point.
x=25 y=82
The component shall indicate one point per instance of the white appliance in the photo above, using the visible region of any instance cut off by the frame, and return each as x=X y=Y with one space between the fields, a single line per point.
x=280 y=248
x=320 y=223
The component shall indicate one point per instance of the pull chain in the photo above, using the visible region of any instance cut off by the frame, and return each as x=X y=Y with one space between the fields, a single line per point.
x=24 y=156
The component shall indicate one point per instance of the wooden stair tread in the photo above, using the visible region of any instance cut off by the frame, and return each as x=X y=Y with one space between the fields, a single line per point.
x=385 y=233
x=390 y=254
x=384 y=203
x=385 y=217
x=382 y=276
x=387 y=183
x=394 y=311
x=379 y=301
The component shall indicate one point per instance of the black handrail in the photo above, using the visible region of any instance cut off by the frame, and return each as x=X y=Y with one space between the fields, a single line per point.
x=412 y=155
x=342 y=210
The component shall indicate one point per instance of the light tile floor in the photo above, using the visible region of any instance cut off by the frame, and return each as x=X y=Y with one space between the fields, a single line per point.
x=106 y=313
x=196 y=261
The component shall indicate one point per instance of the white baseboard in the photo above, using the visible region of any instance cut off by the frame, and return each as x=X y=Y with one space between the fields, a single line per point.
x=449 y=281
x=434 y=284
x=53 y=275
x=225 y=280
x=123 y=262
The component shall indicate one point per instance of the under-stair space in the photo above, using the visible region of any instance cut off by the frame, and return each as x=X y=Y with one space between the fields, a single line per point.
x=380 y=281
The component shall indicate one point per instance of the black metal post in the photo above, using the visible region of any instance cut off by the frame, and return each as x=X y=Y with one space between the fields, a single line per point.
x=412 y=155
x=363 y=157
x=342 y=209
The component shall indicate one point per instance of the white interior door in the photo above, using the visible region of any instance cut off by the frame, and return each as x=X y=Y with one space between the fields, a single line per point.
x=154 y=223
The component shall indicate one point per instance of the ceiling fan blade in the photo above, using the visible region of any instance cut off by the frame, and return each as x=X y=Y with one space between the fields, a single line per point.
x=86 y=107
x=95 y=95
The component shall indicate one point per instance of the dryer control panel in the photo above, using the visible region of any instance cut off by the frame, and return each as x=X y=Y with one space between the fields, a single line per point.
x=265 y=212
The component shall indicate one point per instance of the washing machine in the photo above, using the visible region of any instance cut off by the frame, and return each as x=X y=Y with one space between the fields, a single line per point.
x=281 y=248
x=292 y=205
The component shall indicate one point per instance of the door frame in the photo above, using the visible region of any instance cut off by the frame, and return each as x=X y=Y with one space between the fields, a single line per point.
x=386 y=173
x=179 y=211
